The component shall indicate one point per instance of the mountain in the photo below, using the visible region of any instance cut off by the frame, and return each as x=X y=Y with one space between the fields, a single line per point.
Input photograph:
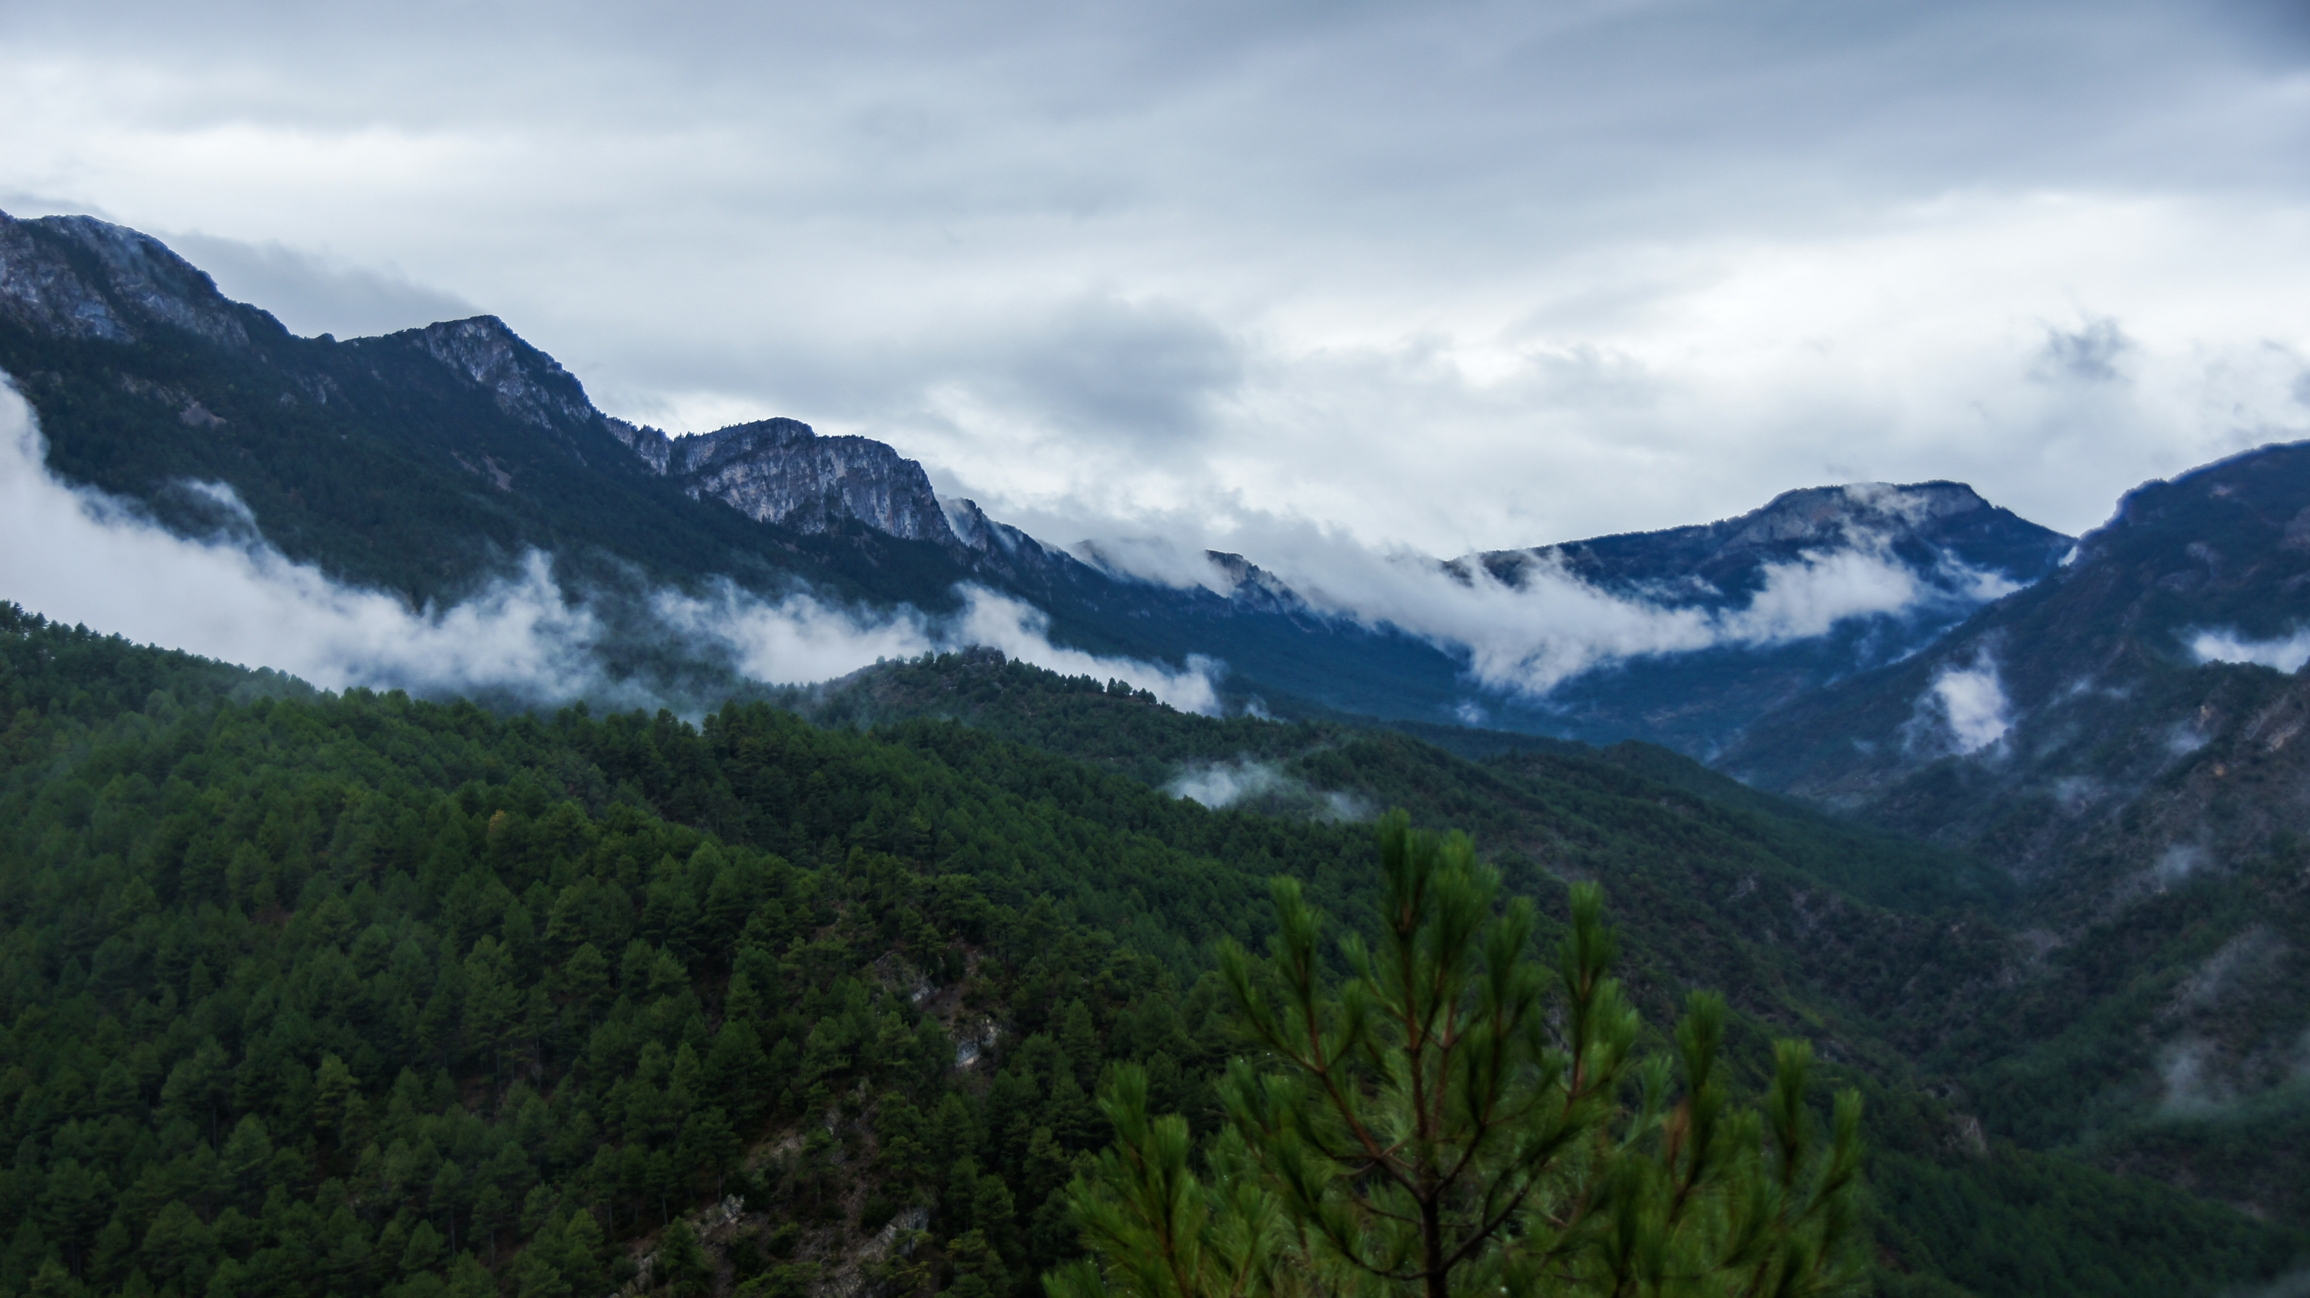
x=2123 y=738
x=1820 y=583
x=295 y=992
x=422 y=463
x=427 y=462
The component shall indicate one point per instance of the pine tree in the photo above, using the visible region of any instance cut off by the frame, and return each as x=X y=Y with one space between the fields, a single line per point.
x=1450 y=1120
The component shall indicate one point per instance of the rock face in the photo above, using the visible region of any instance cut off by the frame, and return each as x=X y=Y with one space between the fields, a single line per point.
x=1251 y=586
x=78 y=277
x=528 y=384
x=780 y=471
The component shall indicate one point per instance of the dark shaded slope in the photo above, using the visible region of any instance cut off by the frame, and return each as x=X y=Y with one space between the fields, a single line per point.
x=422 y=462
x=428 y=461
x=2152 y=805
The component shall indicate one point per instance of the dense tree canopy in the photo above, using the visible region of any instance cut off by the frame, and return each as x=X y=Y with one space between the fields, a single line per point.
x=358 y=994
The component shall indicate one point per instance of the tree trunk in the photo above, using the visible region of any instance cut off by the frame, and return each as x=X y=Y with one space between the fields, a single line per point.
x=1432 y=1246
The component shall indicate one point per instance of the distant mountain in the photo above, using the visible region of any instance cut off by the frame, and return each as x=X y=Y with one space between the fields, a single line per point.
x=2128 y=739
x=427 y=461
x=1903 y=563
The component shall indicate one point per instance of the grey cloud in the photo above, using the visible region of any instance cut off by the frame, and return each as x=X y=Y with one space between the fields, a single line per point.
x=1101 y=366
x=1172 y=230
x=312 y=295
x=2089 y=352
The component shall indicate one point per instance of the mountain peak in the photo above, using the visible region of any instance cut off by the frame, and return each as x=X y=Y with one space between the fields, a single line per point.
x=1826 y=513
x=782 y=471
x=80 y=277
x=1940 y=530
x=528 y=384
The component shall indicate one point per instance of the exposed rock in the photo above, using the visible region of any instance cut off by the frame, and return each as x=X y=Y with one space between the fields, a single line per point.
x=79 y=277
x=1253 y=586
x=779 y=471
x=528 y=384
x=655 y=448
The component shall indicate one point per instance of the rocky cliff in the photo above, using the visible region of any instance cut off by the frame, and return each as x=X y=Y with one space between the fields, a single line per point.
x=780 y=471
x=78 y=277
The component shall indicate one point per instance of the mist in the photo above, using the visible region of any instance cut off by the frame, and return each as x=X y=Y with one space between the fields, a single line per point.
x=1266 y=787
x=2286 y=653
x=77 y=555
x=1530 y=637
x=1964 y=710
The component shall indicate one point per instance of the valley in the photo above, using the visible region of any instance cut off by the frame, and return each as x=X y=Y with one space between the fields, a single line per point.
x=687 y=971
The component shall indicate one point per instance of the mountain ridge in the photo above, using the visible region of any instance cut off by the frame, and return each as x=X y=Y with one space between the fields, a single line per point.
x=433 y=479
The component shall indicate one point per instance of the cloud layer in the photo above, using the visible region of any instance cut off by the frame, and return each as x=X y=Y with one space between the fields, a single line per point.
x=1447 y=278
x=1552 y=626
x=79 y=556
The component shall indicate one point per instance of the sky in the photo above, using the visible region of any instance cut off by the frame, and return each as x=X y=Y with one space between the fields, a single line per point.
x=1271 y=277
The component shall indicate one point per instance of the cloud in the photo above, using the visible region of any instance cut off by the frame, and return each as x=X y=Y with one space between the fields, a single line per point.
x=1219 y=785
x=2178 y=862
x=1552 y=625
x=1223 y=784
x=799 y=639
x=2287 y=653
x=1445 y=278
x=312 y=294
x=1963 y=710
x=1103 y=367
x=2089 y=352
x=2192 y=1087
x=2293 y=1284
x=78 y=555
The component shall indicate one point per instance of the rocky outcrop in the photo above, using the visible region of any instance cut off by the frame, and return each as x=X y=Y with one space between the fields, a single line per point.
x=654 y=448
x=780 y=471
x=1254 y=587
x=78 y=277
x=528 y=384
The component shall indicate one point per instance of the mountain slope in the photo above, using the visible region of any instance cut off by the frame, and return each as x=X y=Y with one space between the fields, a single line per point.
x=271 y=967
x=426 y=462
x=2085 y=735
x=420 y=463
x=1816 y=585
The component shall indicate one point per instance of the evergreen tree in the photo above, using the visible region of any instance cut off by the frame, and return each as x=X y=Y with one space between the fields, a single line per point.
x=1440 y=1123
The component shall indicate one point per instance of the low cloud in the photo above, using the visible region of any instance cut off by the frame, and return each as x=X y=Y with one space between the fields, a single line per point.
x=78 y=555
x=1550 y=625
x=1219 y=785
x=2178 y=862
x=2287 y=654
x=1223 y=784
x=1963 y=711
x=800 y=639
x=2193 y=1088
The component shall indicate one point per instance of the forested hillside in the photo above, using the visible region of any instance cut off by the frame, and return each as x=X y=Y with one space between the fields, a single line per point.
x=359 y=994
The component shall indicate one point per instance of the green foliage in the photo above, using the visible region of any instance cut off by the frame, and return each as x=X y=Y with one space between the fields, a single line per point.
x=364 y=995
x=1441 y=1124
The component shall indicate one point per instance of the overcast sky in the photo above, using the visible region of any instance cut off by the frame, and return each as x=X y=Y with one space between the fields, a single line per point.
x=1271 y=275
